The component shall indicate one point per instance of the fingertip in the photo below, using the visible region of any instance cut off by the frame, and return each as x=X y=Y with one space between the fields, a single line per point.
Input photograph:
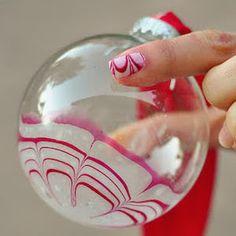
x=231 y=120
x=125 y=66
x=225 y=138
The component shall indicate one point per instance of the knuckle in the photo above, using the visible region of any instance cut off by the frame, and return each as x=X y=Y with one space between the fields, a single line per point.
x=169 y=53
x=222 y=43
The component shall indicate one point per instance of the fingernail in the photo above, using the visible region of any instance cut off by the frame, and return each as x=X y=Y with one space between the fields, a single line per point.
x=126 y=65
x=225 y=138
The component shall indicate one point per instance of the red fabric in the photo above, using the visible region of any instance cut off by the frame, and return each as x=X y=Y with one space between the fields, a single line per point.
x=173 y=20
x=189 y=217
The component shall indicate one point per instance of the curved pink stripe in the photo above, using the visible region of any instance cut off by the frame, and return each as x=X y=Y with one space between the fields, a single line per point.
x=26 y=149
x=160 y=203
x=60 y=150
x=37 y=172
x=137 y=211
x=31 y=160
x=108 y=178
x=30 y=119
x=135 y=221
x=103 y=185
x=49 y=171
x=62 y=162
x=48 y=186
x=112 y=171
x=94 y=190
x=140 y=205
x=43 y=139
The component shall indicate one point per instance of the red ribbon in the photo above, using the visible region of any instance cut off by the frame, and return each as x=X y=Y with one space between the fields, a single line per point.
x=190 y=216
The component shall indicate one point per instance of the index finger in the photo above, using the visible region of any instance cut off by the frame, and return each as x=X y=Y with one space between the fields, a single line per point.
x=160 y=60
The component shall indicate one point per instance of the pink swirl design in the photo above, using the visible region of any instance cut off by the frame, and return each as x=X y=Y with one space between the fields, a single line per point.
x=126 y=65
x=88 y=177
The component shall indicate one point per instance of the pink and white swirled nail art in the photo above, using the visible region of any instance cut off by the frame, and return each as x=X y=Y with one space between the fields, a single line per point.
x=127 y=65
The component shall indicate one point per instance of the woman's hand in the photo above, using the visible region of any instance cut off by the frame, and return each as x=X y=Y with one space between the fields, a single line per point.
x=210 y=52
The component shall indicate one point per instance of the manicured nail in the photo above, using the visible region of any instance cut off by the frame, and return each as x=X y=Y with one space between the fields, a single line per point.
x=225 y=138
x=126 y=65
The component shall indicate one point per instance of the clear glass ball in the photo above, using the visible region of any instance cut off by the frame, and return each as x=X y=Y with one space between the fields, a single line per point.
x=103 y=154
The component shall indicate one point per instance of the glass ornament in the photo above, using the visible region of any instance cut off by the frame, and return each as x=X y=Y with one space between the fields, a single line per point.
x=103 y=154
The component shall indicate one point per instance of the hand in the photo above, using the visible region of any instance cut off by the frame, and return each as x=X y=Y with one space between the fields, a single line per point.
x=209 y=52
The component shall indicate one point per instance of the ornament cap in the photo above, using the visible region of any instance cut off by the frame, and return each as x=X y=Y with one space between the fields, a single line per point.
x=160 y=26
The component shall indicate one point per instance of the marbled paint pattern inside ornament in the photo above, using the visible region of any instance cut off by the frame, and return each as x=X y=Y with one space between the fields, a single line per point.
x=88 y=177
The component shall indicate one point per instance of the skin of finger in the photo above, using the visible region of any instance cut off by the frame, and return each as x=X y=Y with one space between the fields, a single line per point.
x=216 y=119
x=153 y=125
x=225 y=138
x=185 y=55
x=219 y=85
x=231 y=120
x=139 y=136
